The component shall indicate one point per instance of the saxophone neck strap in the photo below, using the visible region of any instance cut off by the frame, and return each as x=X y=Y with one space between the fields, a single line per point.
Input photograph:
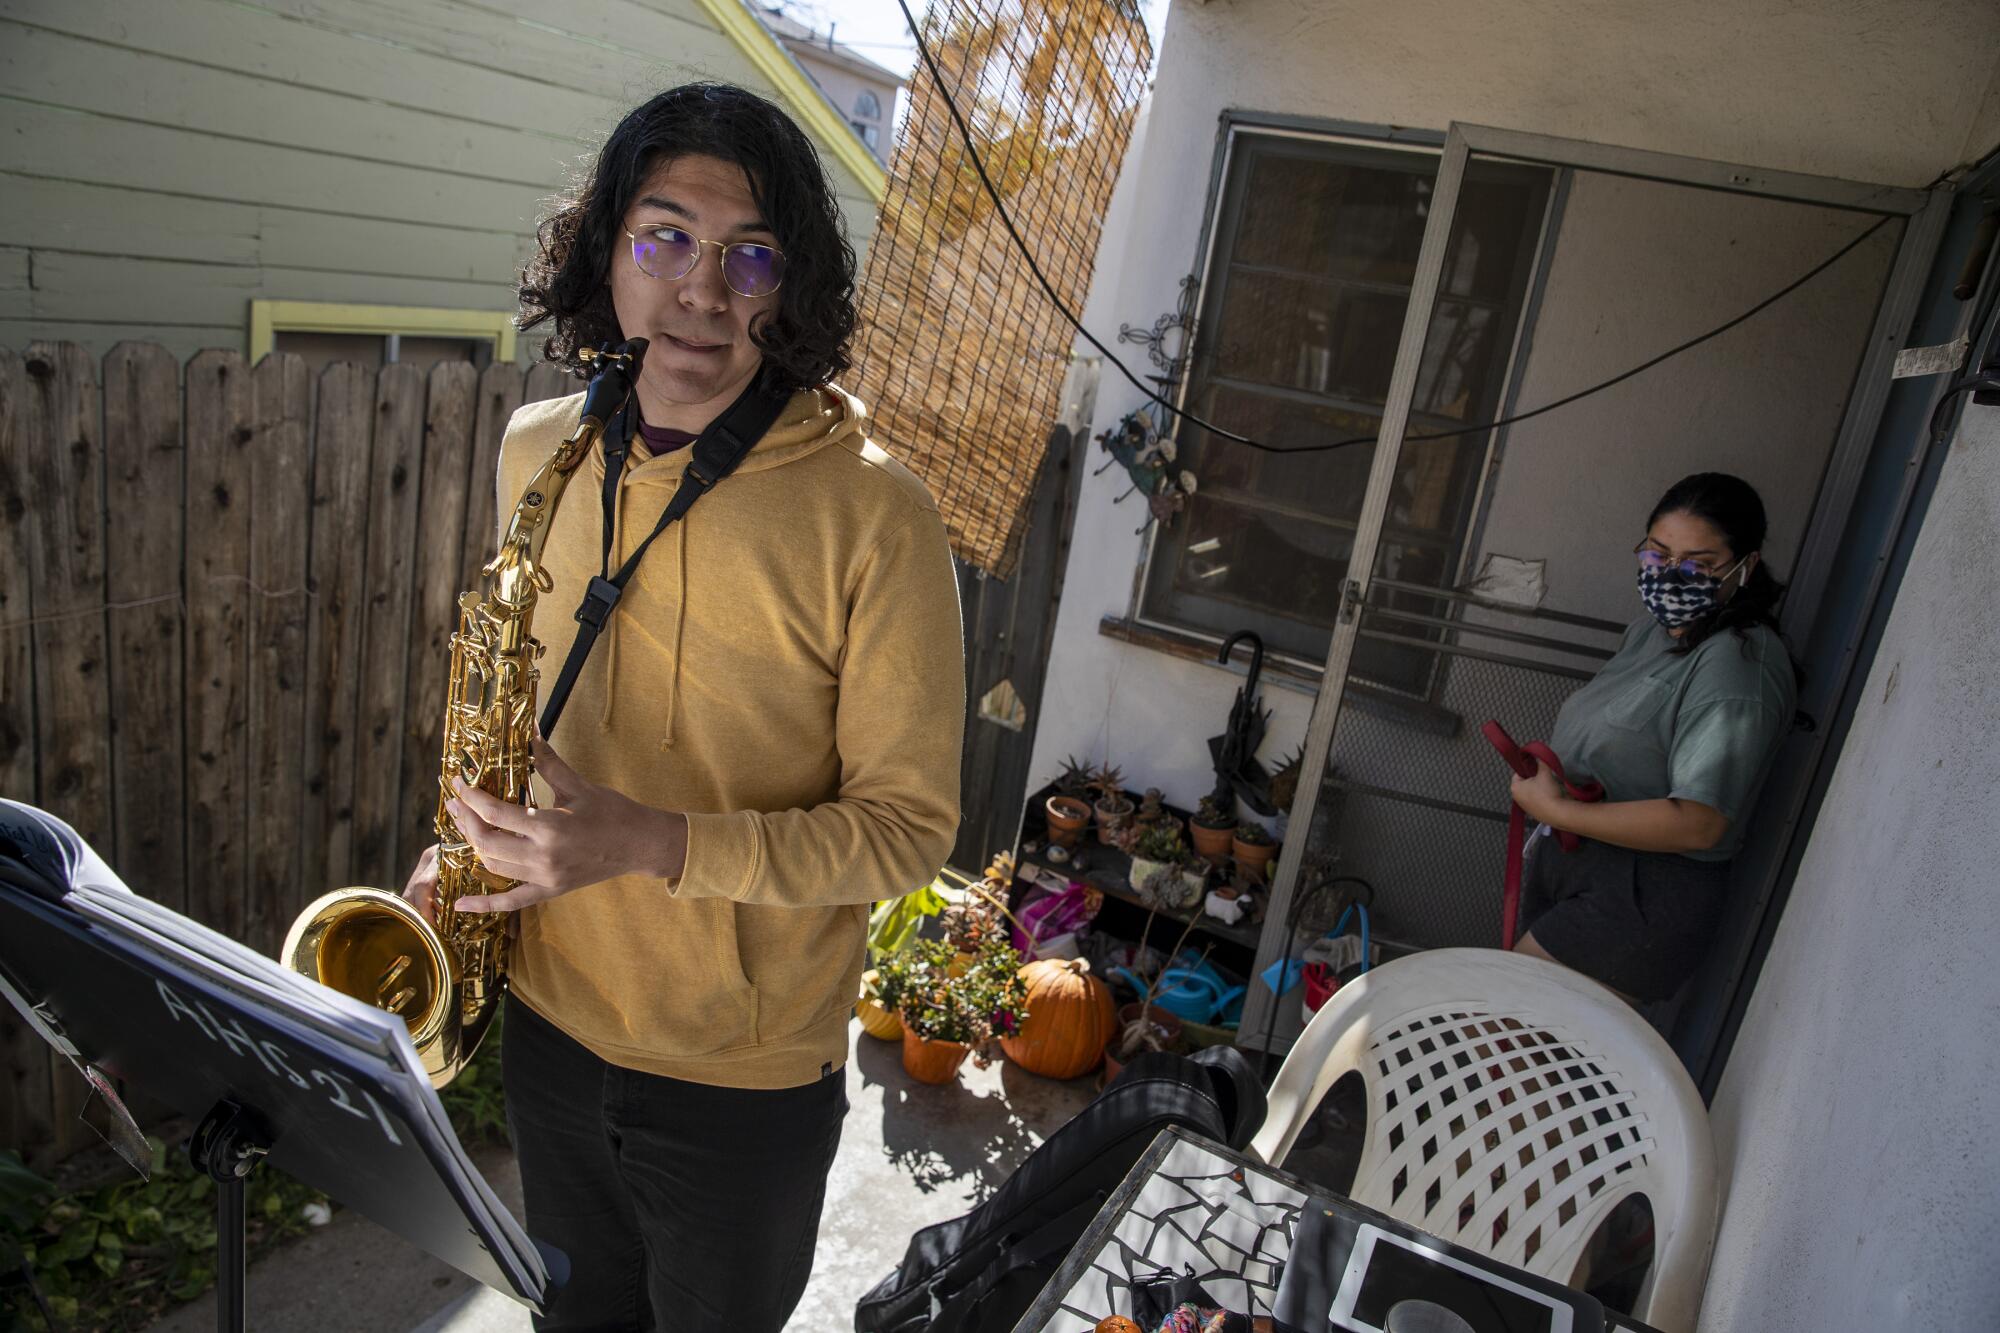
x=715 y=453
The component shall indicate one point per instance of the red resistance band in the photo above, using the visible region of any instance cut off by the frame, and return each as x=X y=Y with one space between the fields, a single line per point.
x=1523 y=760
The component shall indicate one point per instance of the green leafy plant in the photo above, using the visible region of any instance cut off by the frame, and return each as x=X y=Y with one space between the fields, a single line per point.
x=118 y=1255
x=894 y=924
x=1253 y=835
x=475 y=1100
x=944 y=996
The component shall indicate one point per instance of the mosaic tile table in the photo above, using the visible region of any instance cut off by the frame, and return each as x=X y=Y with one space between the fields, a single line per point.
x=1191 y=1205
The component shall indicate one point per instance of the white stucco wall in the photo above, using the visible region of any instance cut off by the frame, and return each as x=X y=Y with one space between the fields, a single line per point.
x=1856 y=1122
x=1879 y=91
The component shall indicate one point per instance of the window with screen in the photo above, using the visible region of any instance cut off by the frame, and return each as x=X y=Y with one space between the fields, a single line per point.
x=1302 y=309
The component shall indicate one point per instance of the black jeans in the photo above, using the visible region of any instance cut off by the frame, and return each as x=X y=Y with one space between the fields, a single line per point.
x=681 y=1206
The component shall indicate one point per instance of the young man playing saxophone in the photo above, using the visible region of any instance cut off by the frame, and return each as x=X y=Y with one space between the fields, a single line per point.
x=764 y=740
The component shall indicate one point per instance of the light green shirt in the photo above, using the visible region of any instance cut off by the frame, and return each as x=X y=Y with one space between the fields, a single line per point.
x=1700 y=726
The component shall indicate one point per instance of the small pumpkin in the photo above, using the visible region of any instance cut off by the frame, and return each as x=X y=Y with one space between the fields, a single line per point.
x=1070 y=1017
x=875 y=1020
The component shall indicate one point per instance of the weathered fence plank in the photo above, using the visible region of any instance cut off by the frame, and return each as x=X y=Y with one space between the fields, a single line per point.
x=280 y=515
x=393 y=515
x=220 y=409
x=500 y=394
x=547 y=380
x=65 y=471
x=17 y=632
x=440 y=555
x=143 y=475
x=343 y=450
x=26 y=1110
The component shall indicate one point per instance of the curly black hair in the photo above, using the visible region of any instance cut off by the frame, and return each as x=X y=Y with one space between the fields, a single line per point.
x=805 y=338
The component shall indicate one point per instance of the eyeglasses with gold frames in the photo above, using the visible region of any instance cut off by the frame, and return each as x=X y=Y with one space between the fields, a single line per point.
x=750 y=268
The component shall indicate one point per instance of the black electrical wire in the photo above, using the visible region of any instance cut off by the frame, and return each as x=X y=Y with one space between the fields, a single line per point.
x=1048 y=289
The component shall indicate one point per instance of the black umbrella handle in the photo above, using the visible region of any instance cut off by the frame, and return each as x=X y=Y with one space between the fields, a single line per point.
x=1256 y=658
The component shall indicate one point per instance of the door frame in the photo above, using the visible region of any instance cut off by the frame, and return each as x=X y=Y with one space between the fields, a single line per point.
x=1924 y=212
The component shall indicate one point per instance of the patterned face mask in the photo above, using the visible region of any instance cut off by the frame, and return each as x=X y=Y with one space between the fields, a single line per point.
x=1677 y=597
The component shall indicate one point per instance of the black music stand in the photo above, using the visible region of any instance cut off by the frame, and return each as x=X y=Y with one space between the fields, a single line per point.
x=332 y=1101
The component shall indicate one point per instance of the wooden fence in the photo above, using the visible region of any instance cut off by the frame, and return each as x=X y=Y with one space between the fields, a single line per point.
x=225 y=598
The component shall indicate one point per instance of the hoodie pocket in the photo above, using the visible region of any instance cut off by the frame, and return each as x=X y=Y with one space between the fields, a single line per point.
x=808 y=960
x=623 y=968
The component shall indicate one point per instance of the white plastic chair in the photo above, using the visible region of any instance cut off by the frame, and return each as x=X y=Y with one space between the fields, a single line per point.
x=1512 y=1103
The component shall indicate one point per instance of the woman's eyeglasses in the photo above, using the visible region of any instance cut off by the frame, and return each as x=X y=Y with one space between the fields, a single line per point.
x=749 y=268
x=1658 y=560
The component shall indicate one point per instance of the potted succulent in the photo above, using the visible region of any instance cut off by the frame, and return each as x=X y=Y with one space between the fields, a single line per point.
x=1191 y=882
x=1156 y=853
x=951 y=1006
x=1211 y=828
x=1113 y=808
x=1068 y=810
x=1075 y=780
x=1253 y=847
x=1066 y=816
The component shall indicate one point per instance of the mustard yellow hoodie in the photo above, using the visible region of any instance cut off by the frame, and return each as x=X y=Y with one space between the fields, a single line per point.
x=786 y=667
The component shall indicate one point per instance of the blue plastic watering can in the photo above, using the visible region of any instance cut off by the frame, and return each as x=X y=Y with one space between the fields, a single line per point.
x=1196 y=993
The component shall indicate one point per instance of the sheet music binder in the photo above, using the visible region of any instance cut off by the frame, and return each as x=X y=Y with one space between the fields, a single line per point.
x=274 y=1066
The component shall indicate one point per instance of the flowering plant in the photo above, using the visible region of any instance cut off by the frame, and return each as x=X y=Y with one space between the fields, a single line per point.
x=947 y=995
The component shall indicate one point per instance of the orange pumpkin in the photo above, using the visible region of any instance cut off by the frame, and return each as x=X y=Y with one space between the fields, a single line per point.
x=1070 y=1017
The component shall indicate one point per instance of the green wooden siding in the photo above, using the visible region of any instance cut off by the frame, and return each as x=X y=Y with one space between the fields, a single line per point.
x=164 y=164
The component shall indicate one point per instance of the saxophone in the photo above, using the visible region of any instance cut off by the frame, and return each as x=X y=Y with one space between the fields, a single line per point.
x=445 y=980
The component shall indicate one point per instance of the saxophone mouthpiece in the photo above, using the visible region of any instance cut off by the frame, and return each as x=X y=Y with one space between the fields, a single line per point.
x=612 y=372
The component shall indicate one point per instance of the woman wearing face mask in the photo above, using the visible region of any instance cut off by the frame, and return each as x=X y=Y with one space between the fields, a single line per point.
x=1679 y=728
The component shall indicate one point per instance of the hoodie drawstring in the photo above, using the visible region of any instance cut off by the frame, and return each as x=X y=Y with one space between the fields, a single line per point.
x=680 y=623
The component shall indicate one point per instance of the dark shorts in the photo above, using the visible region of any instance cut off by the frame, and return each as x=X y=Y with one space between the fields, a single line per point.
x=1640 y=922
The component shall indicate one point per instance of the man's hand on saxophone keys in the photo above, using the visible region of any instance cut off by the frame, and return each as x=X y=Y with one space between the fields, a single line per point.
x=587 y=834
x=423 y=883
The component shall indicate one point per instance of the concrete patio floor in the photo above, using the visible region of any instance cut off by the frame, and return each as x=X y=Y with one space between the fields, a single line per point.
x=910 y=1154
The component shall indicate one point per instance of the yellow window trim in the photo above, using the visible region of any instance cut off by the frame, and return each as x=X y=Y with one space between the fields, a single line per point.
x=269 y=318
x=775 y=63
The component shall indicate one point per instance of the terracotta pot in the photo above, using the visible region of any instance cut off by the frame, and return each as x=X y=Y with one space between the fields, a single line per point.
x=1112 y=1064
x=875 y=1020
x=1212 y=843
x=929 y=1061
x=1066 y=816
x=1169 y=1023
x=1165 y=1019
x=1256 y=856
